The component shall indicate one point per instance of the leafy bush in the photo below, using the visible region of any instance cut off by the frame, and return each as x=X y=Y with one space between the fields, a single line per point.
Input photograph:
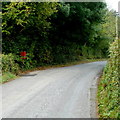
x=27 y=63
x=8 y=64
x=14 y=64
x=108 y=90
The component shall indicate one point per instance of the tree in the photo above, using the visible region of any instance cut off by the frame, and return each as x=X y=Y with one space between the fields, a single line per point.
x=25 y=27
x=76 y=25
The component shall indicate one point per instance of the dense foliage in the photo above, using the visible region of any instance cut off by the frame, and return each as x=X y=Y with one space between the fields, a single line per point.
x=108 y=92
x=75 y=31
x=53 y=33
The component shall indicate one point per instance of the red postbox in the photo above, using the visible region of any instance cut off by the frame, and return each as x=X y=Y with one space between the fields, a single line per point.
x=23 y=55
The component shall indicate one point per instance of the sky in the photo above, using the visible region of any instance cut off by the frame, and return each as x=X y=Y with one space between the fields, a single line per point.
x=113 y=4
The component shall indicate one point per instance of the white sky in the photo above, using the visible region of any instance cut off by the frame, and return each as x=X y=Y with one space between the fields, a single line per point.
x=113 y=4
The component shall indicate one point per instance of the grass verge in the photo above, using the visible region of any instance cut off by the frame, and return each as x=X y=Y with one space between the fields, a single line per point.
x=7 y=77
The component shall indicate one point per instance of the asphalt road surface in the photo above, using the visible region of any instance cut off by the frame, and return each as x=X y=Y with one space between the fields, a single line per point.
x=66 y=92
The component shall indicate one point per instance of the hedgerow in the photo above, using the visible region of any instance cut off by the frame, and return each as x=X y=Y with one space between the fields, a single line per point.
x=108 y=90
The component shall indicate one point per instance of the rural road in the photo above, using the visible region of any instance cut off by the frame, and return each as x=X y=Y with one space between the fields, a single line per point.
x=66 y=92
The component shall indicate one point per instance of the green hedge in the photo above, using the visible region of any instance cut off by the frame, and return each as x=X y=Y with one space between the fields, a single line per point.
x=108 y=90
x=8 y=64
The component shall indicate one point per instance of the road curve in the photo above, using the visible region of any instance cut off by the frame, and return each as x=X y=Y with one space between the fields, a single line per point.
x=52 y=93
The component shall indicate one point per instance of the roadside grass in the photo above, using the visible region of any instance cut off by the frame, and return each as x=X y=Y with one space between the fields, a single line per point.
x=8 y=76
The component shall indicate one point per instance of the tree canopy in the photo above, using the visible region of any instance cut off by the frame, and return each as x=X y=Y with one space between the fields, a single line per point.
x=53 y=32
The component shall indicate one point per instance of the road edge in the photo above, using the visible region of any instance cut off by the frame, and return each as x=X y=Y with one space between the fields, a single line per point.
x=93 y=96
